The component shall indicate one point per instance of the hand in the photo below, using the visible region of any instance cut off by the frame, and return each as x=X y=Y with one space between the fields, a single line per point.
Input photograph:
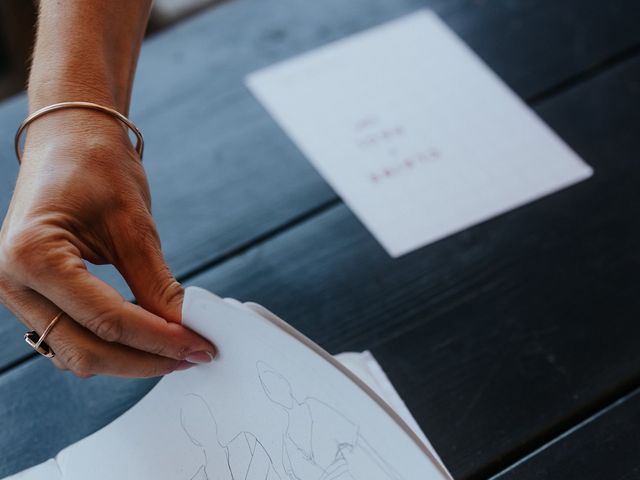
x=82 y=194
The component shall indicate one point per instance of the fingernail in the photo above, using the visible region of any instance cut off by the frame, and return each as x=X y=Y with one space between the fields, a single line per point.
x=199 y=357
x=184 y=365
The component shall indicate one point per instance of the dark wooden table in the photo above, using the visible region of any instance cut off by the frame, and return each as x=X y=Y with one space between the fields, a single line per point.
x=515 y=343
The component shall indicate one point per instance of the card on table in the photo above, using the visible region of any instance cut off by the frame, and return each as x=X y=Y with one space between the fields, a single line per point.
x=416 y=134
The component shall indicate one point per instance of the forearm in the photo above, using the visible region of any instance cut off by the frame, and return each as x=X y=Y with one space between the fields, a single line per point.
x=87 y=50
x=71 y=206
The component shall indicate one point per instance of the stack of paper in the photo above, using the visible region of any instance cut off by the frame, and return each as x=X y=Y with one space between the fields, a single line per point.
x=273 y=405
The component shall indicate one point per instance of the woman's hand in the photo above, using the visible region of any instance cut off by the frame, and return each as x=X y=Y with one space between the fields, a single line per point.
x=82 y=194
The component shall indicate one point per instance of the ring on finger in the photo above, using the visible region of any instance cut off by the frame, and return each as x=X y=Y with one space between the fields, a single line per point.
x=37 y=342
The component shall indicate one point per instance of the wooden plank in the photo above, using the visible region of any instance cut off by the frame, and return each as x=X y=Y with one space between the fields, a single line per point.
x=604 y=446
x=220 y=170
x=498 y=337
x=76 y=409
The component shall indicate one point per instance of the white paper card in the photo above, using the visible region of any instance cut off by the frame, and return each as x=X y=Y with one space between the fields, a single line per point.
x=414 y=132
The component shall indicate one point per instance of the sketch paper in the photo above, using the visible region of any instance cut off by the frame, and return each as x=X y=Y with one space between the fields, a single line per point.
x=268 y=408
x=416 y=134
x=365 y=367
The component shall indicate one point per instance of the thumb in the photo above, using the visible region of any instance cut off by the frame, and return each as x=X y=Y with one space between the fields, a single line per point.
x=151 y=281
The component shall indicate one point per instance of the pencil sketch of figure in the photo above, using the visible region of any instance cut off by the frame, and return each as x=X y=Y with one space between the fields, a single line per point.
x=242 y=458
x=319 y=443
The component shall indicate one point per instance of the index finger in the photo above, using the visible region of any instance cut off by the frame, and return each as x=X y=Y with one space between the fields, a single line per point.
x=101 y=309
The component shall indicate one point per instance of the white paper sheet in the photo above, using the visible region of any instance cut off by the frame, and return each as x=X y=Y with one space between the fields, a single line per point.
x=362 y=364
x=365 y=367
x=269 y=407
x=414 y=132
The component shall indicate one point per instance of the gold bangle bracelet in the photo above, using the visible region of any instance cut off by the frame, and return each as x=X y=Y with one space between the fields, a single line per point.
x=93 y=106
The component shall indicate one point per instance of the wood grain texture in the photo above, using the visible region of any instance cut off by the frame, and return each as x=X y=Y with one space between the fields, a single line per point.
x=498 y=338
x=604 y=446
x=220 y=170
x=67 y=409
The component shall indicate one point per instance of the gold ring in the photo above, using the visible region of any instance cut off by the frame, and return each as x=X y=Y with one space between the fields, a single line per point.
x=37 y=342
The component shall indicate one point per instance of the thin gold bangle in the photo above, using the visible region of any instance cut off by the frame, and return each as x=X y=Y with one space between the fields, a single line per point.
x=94 y=106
